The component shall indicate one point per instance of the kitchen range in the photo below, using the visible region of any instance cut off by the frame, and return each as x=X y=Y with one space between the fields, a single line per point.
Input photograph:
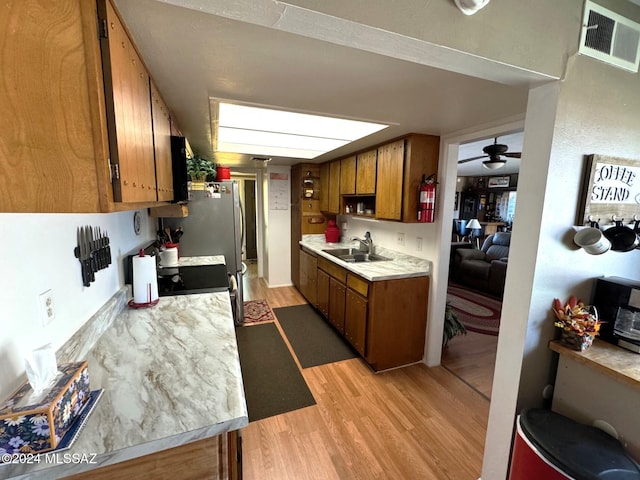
x=214 y=227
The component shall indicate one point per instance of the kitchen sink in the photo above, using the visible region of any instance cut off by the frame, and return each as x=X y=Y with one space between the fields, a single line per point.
x=353 y=255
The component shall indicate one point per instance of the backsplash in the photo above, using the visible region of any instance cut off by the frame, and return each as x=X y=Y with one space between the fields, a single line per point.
x=39 y=257
x=417 y=239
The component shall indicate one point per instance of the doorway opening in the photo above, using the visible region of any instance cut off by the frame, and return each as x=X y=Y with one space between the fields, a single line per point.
x=248 y=186
x=484 y=207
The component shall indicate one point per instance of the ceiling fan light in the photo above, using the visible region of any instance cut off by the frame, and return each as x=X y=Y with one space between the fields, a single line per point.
x=494 y=164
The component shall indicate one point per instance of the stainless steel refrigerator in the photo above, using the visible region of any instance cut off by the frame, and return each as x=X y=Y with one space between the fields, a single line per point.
x=215 y=226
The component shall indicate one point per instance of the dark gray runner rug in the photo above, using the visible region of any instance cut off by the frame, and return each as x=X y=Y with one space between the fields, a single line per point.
x=273 y=383
x=314 y=341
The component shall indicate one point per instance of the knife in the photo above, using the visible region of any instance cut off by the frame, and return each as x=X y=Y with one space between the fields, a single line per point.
x=103 y=248
x=100 y=249
x=86 y=279
x=107 y=247
x=92 y=250
x=88 y=260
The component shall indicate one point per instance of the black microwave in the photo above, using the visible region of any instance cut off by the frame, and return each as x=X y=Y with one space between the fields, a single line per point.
x=179 y=167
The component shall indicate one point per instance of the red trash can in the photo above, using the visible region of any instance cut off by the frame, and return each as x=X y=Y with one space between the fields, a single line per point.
x=551 y=446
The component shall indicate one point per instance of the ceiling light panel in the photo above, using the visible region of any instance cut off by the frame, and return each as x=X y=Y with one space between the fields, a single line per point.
x=256 y=130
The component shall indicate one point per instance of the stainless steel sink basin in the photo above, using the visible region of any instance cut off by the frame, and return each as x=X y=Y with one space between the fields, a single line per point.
x=353 y=255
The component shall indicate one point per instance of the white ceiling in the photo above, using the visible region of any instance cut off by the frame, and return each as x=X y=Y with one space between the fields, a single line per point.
x=474 y=149
x=193 y=56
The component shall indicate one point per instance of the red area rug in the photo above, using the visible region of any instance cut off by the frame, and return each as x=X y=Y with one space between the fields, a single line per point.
x=478 y=313
x=256 y=311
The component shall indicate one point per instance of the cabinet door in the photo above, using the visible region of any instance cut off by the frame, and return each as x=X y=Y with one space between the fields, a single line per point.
x=162 y=146
x=334 y=187
x=128 y=103
x=389 y=181
x=348 y=176
x=366 y=173
x=323 y=292
x=337 y=302
x=309 y=277
x=355 y=322
x=324 y=187
x=48 y=119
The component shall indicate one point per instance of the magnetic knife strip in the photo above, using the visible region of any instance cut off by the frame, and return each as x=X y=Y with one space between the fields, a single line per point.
x=93 y=252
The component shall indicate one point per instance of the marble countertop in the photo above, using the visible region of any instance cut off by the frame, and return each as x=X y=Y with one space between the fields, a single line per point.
x=171 y=375
x=194 y=261
x=400 y=265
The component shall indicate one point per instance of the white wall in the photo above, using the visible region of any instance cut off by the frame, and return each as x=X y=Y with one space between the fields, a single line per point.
x=385 y=234
x=37 y=255
x=598 y=111
x=277 y=271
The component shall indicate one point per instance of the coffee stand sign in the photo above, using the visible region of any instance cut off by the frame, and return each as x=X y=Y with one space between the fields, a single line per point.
x=611 y=187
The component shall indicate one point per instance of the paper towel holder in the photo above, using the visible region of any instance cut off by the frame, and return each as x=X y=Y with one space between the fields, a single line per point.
x=151 y=303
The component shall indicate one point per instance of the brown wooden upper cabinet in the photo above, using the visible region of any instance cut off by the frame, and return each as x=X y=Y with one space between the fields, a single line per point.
x=401 y=165
x=60 y=161
x=366 y=172
x=129 y=116
x=348 y=176
x=389 y=184
x=137 y=118
x=386 y=177
x=334 y=187
x=162 y=145
x=324 y=187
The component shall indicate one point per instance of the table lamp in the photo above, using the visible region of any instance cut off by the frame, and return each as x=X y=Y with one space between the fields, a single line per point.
x=474 y=226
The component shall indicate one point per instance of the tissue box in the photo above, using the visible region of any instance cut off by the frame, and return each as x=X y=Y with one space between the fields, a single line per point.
x=36 y=423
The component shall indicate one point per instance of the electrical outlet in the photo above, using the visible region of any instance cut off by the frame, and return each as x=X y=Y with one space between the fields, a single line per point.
x=47 y=310
x=400 y=238
x=419 y=244
x=345 y=226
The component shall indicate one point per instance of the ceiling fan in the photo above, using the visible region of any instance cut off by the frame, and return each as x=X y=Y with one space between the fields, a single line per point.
x=494 y=153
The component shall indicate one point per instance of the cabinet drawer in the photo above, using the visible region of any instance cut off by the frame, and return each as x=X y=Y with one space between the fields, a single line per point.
x=358 y=284
x=332 y=269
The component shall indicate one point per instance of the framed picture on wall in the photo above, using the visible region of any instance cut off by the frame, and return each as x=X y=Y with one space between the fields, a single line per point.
x=611 y=186
x=499 y=182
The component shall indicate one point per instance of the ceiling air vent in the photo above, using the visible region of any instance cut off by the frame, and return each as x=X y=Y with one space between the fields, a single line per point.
x=610 y=37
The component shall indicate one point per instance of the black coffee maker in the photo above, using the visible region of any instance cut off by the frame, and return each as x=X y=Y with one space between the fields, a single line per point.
x=618 y=303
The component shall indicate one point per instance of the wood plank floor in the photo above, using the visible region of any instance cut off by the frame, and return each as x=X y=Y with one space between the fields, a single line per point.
x=472 y=357
x=409 y=423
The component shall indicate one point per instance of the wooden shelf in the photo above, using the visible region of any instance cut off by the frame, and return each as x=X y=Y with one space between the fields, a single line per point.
x=607 y=358
x=176 y=210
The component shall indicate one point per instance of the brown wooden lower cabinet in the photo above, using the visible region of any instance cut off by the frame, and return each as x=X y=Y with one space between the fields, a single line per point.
x=355 y=324
x=215 y=458
x=308 y=276
x=322 y=296
x=385 y=320
x=337 y=302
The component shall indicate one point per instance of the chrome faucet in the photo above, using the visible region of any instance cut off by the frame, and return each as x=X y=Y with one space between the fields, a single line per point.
x=366 y=243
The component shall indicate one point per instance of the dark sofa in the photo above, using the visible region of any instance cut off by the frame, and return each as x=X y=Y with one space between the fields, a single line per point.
x=484 y=269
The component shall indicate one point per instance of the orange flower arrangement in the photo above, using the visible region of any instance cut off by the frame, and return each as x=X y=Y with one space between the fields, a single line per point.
x=576 y=317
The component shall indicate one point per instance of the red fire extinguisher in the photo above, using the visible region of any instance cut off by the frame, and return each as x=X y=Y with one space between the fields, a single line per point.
x=427 y=199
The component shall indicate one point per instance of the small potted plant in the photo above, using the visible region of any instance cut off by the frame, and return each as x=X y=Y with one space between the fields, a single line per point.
x=579 y=323
x=201 y=169
x=452 y=325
